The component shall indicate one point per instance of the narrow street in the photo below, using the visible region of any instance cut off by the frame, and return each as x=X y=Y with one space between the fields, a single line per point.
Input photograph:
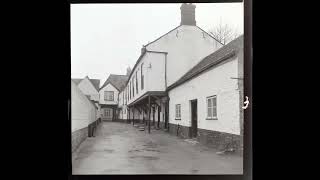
x=120 y=148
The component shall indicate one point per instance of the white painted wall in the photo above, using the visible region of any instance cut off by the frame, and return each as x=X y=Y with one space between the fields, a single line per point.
x=109 y=87
x=82 y=111
x=216 y=81
x=154 y=77
x=186 y=46
x=88 y=89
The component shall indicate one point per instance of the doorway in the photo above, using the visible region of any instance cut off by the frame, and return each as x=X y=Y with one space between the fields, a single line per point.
x=194 y=119
x=159 y=110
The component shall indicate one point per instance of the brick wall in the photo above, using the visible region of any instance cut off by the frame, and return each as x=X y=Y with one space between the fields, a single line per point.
x=78 y=137
x=219 y=140
x=183 y=132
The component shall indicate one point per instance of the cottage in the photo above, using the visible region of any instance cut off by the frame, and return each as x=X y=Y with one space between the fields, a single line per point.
x=161 y=63
x=109 y=96
x=83 y=115
x=206 y=102
x=90 y=88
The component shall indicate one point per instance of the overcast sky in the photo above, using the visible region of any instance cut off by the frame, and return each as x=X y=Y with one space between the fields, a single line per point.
x=107 y=38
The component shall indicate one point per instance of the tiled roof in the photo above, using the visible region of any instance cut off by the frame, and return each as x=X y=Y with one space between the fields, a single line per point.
x=224 y=53
x=95 y=83
x=118 y=81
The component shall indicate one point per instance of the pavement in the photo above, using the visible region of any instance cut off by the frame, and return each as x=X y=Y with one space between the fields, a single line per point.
x=120 y=148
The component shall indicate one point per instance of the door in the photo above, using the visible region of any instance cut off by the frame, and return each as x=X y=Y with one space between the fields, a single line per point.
x=108 y=113
x=194 y=119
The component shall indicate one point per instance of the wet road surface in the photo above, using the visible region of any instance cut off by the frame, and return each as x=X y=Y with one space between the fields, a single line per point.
x=120 y=148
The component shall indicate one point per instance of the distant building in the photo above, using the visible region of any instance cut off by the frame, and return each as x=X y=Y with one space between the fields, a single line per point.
x=90 y=87
x=109 y=96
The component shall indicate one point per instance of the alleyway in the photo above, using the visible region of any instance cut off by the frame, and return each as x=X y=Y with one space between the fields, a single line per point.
x=120 y=148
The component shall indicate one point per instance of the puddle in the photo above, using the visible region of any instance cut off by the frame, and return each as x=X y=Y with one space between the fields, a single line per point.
x=143 y=150
x=145 y=157
x=194 y=170
x=151 y=145
x=90 y=151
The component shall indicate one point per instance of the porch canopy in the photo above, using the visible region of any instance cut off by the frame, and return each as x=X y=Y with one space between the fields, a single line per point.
x=146 y=101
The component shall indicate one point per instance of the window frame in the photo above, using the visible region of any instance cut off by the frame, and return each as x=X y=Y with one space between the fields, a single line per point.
x=142 y=77
x=106 y=97
x=132 y=86
x=137 y=86
x=213 y=107
x=179 y=112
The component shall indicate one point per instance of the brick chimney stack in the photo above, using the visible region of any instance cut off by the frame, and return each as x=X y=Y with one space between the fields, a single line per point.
x=188 y=14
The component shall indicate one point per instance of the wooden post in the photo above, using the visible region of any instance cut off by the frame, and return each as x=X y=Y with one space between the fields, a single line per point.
x=133 y=115
x=159 y=109
x=149 y=114
x=129 y=114
x=153 y=116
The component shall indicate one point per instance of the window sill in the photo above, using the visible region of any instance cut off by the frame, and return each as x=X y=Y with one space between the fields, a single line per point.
x=211 y=118
x=177 y=118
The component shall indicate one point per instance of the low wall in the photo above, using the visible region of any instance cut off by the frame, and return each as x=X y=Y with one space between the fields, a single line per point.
x=183 y=132
x=78 y=137
x=220 y=140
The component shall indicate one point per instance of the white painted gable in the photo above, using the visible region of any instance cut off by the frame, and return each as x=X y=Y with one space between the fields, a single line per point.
x=186 y=46
x=108 y=87
x=87 y=88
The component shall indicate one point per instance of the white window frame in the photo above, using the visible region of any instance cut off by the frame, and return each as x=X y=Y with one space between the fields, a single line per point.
x=106 y=97
x=178 y=112
x=211 y=108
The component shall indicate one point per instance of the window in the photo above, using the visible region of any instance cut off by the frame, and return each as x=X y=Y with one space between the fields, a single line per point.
x=108 y=112
x=142 y=77
x=178 y=111
x=130 y=89
x=108 y=95
x=212 y=107
x=133 y=86
x=137 y=81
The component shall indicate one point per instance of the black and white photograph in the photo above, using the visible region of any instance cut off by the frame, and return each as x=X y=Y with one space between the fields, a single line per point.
x=157 y=88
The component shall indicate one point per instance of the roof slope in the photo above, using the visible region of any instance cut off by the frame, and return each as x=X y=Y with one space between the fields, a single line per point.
x=118 y=81
x=95 y=82
x=76 y=80
x=224 y=53
x=177 y=28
